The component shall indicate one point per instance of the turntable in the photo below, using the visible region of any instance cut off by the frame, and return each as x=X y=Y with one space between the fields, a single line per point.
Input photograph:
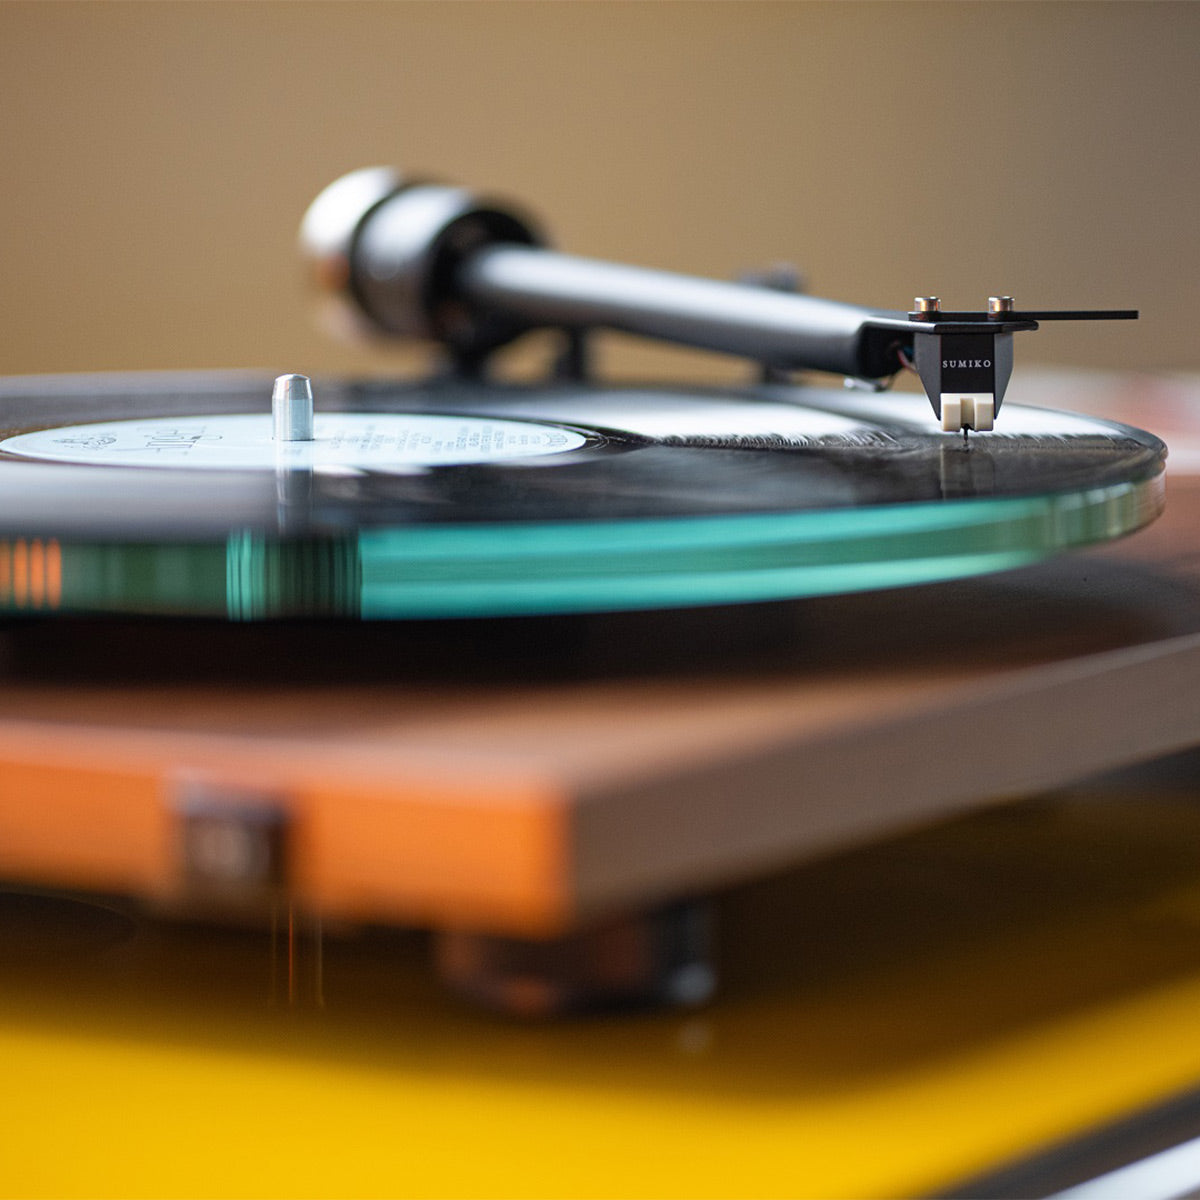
x=542 y=668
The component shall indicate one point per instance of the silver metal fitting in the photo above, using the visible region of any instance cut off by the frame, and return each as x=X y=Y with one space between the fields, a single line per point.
x=232 y=843
x=327 y=238
x=292 y=408
x=927 y=304
x=1000 y=304
x=331 y=223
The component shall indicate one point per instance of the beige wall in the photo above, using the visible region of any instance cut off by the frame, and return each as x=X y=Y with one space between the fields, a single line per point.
x=156 y=158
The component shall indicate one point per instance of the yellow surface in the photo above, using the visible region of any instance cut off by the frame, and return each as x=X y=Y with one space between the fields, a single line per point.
x=893 y=1019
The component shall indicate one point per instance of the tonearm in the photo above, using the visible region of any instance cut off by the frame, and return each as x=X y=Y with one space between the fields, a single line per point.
x=431 y=260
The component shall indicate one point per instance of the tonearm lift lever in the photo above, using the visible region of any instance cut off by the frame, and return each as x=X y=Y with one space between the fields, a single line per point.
x=434 y=261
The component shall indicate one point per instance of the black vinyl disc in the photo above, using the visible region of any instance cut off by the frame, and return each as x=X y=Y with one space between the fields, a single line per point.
x=450 y=498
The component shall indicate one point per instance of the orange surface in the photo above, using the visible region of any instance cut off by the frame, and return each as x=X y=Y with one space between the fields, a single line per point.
x=386 y=850
x=415 y=845
x=30 y=573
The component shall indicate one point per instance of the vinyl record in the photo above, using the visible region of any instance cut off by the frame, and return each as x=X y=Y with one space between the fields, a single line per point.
x=167 y=494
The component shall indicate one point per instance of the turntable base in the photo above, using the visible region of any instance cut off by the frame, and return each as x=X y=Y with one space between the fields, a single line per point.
x=587 y=780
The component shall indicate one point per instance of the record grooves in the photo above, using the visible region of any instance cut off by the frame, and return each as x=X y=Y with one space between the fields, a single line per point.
x=450 y=499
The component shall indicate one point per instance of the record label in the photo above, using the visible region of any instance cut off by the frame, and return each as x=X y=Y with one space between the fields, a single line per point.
x=367 y=441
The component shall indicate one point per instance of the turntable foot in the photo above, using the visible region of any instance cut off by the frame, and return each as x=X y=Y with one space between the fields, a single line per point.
x=661 y=958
